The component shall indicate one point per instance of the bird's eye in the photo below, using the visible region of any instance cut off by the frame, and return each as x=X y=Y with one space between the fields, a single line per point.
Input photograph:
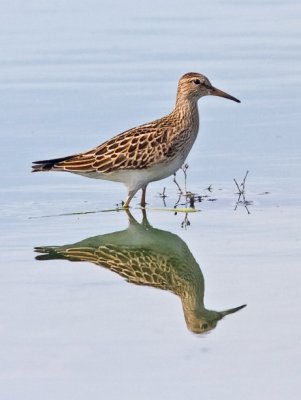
x=197 y=81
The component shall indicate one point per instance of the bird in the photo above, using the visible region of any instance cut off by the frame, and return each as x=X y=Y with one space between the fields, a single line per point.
x=147 y=256
x=146 y=153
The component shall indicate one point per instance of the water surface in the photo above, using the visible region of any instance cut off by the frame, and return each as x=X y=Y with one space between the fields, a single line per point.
x=73 y=75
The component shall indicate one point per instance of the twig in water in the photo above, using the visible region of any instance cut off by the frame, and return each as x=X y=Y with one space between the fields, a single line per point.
x=209 y=188
x=187 y=198
x=179 y=187
x=177 y=202
x=241 y=194
x=163 y=196
x=184 y=168
x=185 y=222
x=191 y=201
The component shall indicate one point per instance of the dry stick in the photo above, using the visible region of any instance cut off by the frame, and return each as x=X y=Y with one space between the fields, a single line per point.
x=181 y=193
x=189 y=197
x=247 y=209
x=185 y=222
x=244 y=180
x=174 y=179
x=241 y=193
x=163 y=197
x=184 y=169
x=241 y=189
x=178 y=201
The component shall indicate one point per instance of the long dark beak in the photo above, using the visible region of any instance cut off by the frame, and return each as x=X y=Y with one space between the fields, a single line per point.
x=231 y=310
x=220 y=93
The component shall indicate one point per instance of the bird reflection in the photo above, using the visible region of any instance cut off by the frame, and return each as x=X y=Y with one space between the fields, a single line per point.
x=147 y=256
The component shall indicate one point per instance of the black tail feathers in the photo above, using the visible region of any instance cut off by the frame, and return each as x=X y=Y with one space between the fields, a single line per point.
x=48 y=253
x=47 y=165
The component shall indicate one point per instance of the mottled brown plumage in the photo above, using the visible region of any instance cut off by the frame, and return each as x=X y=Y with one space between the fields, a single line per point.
x=147 y=256
x=148 y=152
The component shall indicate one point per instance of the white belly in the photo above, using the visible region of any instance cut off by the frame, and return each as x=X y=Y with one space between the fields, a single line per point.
x=135 y=179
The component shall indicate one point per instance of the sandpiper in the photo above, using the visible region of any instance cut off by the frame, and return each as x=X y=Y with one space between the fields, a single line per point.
x=147 y=256
x=149 y=152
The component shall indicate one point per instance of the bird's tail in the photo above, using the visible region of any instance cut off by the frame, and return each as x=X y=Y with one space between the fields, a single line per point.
x=48 y=253
x=48 y=165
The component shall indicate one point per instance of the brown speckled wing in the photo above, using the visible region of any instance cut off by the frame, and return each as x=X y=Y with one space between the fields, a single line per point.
x=137 y=148
x=138 y=266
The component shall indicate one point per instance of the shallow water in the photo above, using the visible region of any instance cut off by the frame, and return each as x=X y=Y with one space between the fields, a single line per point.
x=72 y=76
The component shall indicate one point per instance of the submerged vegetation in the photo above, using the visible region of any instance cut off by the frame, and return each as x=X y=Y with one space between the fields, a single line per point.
x=188 y=199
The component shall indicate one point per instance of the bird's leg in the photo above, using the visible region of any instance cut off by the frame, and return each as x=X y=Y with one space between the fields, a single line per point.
x=143 y=203
x=145 y=222
x=131 y=194
x=132 y=220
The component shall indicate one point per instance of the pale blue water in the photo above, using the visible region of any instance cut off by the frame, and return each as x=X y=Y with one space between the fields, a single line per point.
x=73 y=74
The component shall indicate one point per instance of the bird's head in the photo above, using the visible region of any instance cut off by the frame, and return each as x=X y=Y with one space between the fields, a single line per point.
x=193 y=86
x=204 y=320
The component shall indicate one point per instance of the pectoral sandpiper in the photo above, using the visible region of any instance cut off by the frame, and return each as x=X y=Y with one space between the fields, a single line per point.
x=147 y=256
x=149 y=152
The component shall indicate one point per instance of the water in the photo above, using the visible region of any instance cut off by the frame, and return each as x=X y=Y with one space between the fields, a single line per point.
x=73 y=75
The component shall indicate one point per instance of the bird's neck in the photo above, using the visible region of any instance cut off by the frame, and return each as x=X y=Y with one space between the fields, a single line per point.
x=192 y=298
x=192 y=294
x=186 y=111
